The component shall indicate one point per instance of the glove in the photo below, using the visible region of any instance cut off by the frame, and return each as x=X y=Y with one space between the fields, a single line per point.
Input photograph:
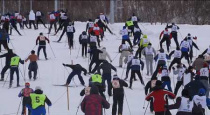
x=173 y=68
x=110 y=60
x=64 y=64
x=85 y=74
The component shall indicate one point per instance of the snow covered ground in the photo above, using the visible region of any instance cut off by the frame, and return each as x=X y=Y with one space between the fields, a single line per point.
x=52 y=71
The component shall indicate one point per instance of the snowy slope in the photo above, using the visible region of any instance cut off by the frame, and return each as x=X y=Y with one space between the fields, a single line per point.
x=52 y=71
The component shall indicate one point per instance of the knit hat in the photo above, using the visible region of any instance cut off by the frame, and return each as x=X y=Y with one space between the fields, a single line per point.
x=38 y=88
x=115 y=76
x=161 y=50
x=149 y=44
x=202 y=92
x=205 y=64
x=185 y=93
x=158 y=83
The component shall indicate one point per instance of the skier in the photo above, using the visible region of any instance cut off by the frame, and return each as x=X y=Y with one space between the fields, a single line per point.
x=64 y=24
x=33 y=64
x=103 y=22
x=70 y=30
x=39 y=15
x=184 y=104
x=118 y=95
x=89 y=26
x=83 y=40
x=137 y=34
x=161 y=59
x=24 y=22
x=189 y=39
x=181 y=68
x=25 y=94
x=96 y=80
x=6 y=22
x=126 y=61
x=150 y=86
x=177 y=57
x=130 y=26
x=174 y=29
x=143 y=43
x=160 y=99
x=194 y=86
x=185 y=48
x=200 y=102
x=76 y=70
x=8 y=57
x=166 y=37
x=42 y=44
x=149 y=53
x=136 y=64
x=135 y=19
x=63 y=19
x=13 y=25
x=165 y=78
x=102 y=56
x=93 y=103
x=32 y=18
x=37 y=101
x=94 y=57
x=4 y=39
x=52 y=22
x=204 y=77
x=107 y=75
x=19 y=18
x=97 y=32
x=92 y=40
x=198 y=63
x=14 y=63
x=125 y=36
x=125 y=50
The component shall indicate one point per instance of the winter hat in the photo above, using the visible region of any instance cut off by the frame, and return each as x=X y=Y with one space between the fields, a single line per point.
x=38 y=88
x=164 y=67
x=94 y=89
x=124 y=27
x=158 y=83
x=205 y=64
x=41 y=33
x=188 y=34
x=32 y=52
x=161 y=50
x=115 y=76
x=185 y=93
x=201 y=92
x=190 y=67
x=150 y=44
x=27 y=84
x=83 y=33
x=144 y=36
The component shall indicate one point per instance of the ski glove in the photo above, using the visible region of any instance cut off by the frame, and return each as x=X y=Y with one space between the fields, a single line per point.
x=64 y=64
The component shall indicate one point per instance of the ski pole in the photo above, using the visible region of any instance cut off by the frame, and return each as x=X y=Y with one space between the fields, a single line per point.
x=12 y=44
x=144 y=104
x=72 y=78
x=22 y=75
x=180 y=34
x=59 y=98
x=115 y=57
x=123 y=70
x=5 y=79
x=19 y=106
x=127 y=104
x=52 y=50
x=78 y=52
x=146 y=109
x=67 y=97
x=79 y=105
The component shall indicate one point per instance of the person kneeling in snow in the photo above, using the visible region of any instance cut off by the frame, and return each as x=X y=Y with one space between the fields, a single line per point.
x=37 y=101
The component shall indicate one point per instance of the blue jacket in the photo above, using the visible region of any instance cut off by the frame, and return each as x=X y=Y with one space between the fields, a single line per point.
x=136 y=67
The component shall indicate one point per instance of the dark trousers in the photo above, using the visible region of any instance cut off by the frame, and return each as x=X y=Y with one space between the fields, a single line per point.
x=107 y=78
x=32 y=22
x=117 y=101
x=25 y=23
x=133 y=72
x=98 y=40
x=40 y=20
x=25 y=101
x=168 y=41
x=20 y=23
x=138 y=52
x=12 y=71
x=6 y=67
x=136 y=39
x=4 y=43
x=72 y=74
x=175 y=60
x=70 y=42
x=127 y=40
x=174 y=35
x=191 y=54
x=178 y=85
x=30 y=74
x=51 y=24
x=64 y=30
x=84 y=49
x=44 y=51
x=15 y=27
x=186 y=56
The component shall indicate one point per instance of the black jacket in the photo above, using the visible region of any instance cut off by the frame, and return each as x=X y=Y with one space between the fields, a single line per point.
x=94 y=54
x=8 y=56
x=119 y=91
x=77 y=68
x=193 y=87
x=106 y=67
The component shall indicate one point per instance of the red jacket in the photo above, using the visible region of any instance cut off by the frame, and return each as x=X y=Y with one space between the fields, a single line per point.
x=93 y=104
x=96 y=29
x=159 y=99
x=170 y=36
